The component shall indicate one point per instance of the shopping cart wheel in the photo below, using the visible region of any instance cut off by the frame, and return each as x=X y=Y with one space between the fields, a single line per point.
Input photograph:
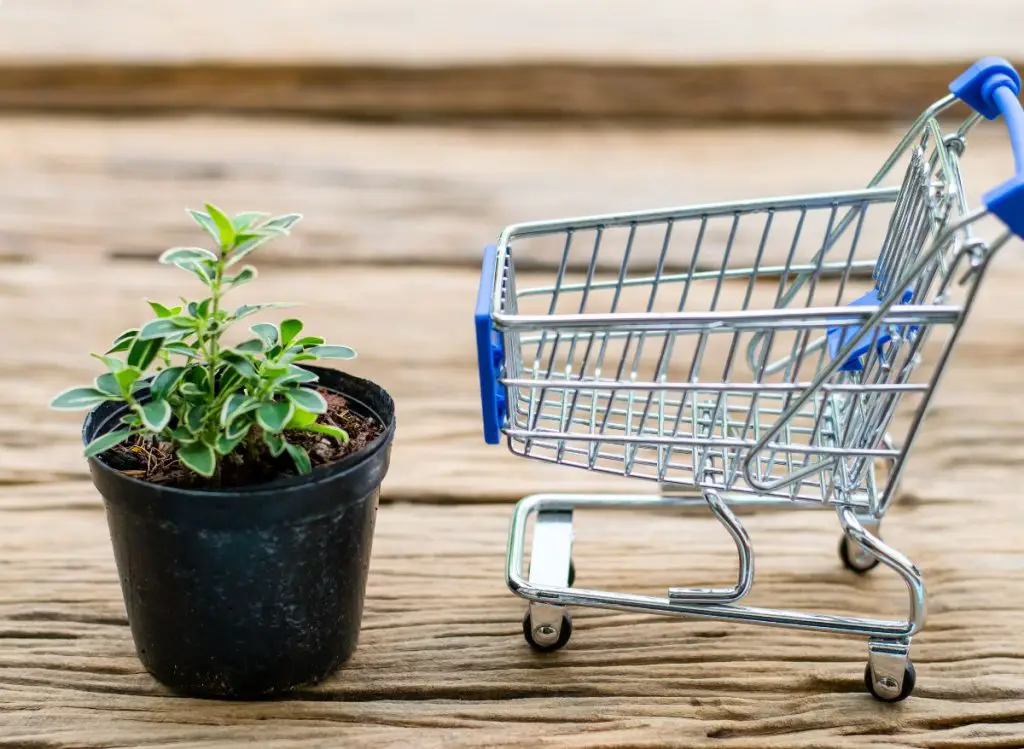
x=854 y=559
x=564 y=634
x=909 y=680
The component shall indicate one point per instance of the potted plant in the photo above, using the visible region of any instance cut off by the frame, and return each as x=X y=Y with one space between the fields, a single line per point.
x=240 y=481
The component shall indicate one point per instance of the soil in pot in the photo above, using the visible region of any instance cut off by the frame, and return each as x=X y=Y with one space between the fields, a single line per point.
x=249 y=591
x=159 y=465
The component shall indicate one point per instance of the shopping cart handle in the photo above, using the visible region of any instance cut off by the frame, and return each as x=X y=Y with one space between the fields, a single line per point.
x=840 y=336
x=991 y=88
x=490 y=352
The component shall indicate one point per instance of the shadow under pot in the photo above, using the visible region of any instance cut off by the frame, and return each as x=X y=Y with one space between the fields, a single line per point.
x=249 y=592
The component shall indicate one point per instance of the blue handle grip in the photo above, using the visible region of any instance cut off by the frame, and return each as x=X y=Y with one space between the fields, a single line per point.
x=490 y=352
x=991 y=87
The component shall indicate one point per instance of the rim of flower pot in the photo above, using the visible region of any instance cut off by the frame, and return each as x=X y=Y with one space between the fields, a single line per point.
x=320 y=474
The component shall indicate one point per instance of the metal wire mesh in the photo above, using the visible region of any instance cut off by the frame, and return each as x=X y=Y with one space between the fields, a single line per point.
x=691 y=346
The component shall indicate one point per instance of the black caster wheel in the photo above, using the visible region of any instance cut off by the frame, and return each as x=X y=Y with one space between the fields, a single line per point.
x=563 y=636
x=851 y=564
x=909 y=680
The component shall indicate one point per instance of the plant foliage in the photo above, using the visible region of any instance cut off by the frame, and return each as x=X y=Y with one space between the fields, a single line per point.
x=205 y=396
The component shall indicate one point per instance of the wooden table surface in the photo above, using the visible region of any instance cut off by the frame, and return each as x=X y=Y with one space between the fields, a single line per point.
x=401 y=60
x=386 y=262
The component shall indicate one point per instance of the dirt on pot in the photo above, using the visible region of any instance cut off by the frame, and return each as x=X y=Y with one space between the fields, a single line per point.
x=247 y=466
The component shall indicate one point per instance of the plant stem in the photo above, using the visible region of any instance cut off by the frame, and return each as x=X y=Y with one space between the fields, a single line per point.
x=215 y=293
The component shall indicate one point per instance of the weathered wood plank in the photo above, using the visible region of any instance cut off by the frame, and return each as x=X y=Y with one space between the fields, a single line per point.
x=441 y=660
x=404 y=196
x=392 y=60
x=414 y=335
x=457 y=31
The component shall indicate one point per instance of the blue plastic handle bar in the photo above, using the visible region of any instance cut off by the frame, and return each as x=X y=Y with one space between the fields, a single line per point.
x=991 y=87
x=490 y=352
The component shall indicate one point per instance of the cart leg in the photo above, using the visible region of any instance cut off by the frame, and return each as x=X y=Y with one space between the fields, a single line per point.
x=889 y=675
x=854 y=556
x=547 y=627
x=744 y=550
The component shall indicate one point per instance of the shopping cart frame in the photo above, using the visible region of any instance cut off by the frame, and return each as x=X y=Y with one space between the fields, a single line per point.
x=990 y=88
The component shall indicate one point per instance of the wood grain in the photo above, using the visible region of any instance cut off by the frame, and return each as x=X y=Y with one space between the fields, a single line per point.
x=442 y=662
x=90 y=188
x=393 y=60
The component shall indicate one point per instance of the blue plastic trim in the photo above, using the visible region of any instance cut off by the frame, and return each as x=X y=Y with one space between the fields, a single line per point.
x=991 y=87
x=840 y=335
x=490 y=352
x=974 y=86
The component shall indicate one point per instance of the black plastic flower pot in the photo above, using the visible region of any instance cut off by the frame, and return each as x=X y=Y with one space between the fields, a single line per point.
x=248 y=593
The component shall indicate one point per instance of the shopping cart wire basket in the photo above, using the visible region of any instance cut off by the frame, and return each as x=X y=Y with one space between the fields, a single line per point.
x=779 y=351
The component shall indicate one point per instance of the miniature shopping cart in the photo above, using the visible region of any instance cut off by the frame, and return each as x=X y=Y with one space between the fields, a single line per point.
x=779 y=351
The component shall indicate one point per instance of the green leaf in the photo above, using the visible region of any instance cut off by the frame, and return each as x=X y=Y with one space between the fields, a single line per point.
x=275 y=442
x=267 y=332
x=203 y=271
x=245 y=219
x=274 y=416
x=156 y=415
x=183 y=436
x=186 y=257
x=227 y=380
x=298 y=375
x=252 y=346
x=204 y=221
x=143 y=352
x=194 y=417
x=108 y=384
x=300 y=458
x=289 y=329
x=283 y=222
x=131 y=420
x=225 y=229
x=301 y=419
x=182 y=349
x=199 y=377
x=236 y=405
x=191 y=390
x=226 y=444
x=307 y=400
x=306 y=341
x=247 y=274
x=302 y=357
x=160 y=310
x=165 y=381
x=251 y=309
x=203 y=309
x=331 y=431
x=239 y=428
x=77 y=398
x=248 y=241
x=333 y=352
x=101 y=444
x=112 y=364
x=198 y=457
x=164 y=327
x=127 y=376
x=240 y=364
x=123 y=342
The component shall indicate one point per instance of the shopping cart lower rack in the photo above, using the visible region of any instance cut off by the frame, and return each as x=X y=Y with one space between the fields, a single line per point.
x=780 y=352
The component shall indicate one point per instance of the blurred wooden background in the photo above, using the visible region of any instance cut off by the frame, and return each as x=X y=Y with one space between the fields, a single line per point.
x=409 y=134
